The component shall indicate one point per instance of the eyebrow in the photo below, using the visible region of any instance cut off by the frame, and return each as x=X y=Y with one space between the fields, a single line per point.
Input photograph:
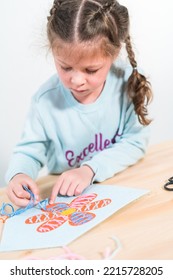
x=89 y=66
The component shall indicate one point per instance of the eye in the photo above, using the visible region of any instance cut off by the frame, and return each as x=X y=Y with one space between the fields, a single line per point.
x=66 y=68
x=91 y=71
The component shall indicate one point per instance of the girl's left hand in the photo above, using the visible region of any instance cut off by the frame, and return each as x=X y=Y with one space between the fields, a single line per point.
x=72 y=182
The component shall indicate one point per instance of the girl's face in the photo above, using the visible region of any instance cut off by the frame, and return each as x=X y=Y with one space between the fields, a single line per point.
x=83 y=70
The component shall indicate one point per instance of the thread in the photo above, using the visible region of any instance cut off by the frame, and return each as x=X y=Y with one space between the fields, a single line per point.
x=108 y=254
x=13 y=212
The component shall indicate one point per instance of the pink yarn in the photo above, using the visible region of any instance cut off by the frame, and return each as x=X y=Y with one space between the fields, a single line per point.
x=69 y=255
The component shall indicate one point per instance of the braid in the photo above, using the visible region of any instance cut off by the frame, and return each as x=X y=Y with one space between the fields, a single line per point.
x=52 y=11
x=138 y=87
x=60 y=20
x=107 y=7
x=130 y=52
x=103 y=9
x=89 y=20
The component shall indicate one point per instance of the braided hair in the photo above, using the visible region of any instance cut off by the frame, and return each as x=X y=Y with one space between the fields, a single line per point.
x=76 y=21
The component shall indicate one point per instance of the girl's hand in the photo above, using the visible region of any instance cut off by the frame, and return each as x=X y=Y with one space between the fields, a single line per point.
x=72 y=182
x=16 y=192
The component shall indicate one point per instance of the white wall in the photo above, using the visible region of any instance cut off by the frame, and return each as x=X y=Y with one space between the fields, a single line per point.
x=24 y=63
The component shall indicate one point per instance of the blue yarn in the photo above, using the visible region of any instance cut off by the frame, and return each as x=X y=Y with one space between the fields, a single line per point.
x=42 y=204
x=3 y=212
x=20 y=210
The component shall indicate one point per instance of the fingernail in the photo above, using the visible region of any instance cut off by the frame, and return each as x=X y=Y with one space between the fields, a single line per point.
x=37 y=197
x=50 y=202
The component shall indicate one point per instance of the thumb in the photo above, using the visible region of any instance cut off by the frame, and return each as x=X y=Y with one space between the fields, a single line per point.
x=34 y=189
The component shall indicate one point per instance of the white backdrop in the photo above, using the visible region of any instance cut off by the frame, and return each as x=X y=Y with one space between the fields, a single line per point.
x=25 y=64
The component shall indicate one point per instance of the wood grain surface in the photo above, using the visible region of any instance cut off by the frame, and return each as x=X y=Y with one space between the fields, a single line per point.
x=144 y=227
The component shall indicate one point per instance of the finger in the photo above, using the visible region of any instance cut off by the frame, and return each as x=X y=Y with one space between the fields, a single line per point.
x=79 y=189
x=20 y=202
x=10 y=194
x=20 y=192
x=71 y=189
x=65 y=186
x=55 y=190
x=33 y=187
x=19 y=196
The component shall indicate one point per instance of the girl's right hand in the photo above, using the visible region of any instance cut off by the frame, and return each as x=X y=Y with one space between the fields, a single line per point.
x=16 y=192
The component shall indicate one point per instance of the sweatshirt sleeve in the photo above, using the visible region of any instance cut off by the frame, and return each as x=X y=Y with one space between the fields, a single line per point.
x=30 y=153
x=128 y=149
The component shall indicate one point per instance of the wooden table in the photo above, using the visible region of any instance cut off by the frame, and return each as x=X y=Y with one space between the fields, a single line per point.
x=144 y=227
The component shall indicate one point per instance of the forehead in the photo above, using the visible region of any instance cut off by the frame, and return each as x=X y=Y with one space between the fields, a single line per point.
x=75 y=52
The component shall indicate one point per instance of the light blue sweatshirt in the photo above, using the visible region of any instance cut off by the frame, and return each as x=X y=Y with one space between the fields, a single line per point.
x=63 y=133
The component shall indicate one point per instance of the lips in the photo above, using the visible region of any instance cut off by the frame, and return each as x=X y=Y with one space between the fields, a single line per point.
x=78 y=91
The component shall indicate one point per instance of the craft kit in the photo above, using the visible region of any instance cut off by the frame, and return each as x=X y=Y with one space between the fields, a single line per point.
x=54 y=225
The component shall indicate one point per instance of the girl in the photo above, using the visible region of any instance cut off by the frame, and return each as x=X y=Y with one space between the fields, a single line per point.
x=89 y=121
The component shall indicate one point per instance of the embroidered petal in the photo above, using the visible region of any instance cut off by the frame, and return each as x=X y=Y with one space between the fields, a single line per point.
x=96 y=204
x=52 y=224
x=39 y=218
x=79 y=218
x=58 y=207
x=82 y=200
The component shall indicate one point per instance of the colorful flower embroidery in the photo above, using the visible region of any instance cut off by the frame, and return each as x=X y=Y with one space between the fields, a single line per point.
x=75 y=213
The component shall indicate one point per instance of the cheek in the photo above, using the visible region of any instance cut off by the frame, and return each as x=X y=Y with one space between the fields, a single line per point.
x=94 y=82
x=99 y=79
x=64 y=77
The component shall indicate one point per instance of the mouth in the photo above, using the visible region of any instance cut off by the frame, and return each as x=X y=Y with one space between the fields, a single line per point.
x=78 y=91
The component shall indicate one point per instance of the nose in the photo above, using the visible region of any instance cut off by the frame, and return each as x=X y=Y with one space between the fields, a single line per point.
x=78 y=79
